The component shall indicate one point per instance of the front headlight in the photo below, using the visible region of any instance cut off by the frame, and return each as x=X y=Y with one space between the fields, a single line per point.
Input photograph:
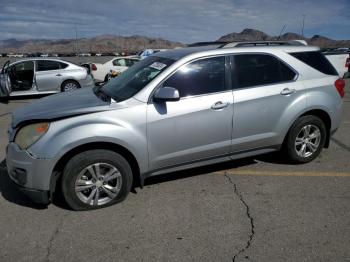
x=29 y=134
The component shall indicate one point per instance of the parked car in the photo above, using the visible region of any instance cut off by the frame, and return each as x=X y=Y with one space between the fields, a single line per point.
x=175 y=110
x=101 y=72
x=147 y=52
x=42 y=76
x=339 y=58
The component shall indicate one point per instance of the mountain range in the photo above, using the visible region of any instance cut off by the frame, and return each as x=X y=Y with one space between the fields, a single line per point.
x=254 y=35
x=115 y=43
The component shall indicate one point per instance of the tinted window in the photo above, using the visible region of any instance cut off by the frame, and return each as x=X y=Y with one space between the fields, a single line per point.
x=317 y=61
x=46 y=65
x=63 y=65
x=24 y=66
x=200 y=77
x=260 y=69
x=130 y=62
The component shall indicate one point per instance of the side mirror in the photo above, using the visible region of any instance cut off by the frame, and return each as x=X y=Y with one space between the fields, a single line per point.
x=165 y=94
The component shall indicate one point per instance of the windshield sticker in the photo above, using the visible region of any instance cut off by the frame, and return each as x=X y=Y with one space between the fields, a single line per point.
x=158 y=66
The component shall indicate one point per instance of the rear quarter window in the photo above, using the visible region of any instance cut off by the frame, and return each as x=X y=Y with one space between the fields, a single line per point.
x=260 y=69
x=317 y=61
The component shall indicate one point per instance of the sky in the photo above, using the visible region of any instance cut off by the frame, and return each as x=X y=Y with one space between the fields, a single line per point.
x=178 y=20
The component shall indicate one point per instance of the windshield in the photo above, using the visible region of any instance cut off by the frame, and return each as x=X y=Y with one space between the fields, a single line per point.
x=136 y=78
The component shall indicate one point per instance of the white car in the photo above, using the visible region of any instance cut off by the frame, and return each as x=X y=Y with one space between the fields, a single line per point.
x=147 y=52
x=100 y=72
x=340 y=59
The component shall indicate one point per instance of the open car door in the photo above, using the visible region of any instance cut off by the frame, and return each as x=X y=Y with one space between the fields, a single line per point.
x=5 y=83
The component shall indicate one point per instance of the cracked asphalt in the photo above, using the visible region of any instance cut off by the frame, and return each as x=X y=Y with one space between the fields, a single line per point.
x=255 y=209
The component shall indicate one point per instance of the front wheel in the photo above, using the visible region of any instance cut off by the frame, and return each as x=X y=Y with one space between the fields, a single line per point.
x=306 y=139
x=96 y=179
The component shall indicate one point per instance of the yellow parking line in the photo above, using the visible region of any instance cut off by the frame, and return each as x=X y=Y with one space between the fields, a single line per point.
x=243 y=172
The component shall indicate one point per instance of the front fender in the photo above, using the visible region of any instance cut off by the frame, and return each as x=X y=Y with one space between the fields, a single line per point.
x=67 y=134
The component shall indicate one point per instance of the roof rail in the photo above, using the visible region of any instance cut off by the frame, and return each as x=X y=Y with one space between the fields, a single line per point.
x=265 y=43
x=198 y=44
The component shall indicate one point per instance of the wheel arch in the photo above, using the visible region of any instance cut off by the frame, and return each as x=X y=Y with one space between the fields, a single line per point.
x=58 y=168
x=323 y=115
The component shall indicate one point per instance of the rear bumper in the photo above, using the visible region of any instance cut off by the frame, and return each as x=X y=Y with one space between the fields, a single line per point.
x=87 y=82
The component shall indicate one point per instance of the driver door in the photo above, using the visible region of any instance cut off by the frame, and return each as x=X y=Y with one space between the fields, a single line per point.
x=197 y=127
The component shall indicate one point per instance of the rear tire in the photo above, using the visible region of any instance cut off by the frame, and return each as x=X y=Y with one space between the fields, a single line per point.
x=305 y=139
x=69 y=85
x=96 y=179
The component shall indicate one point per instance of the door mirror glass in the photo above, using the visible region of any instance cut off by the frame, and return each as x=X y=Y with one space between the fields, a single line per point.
x=166 y=94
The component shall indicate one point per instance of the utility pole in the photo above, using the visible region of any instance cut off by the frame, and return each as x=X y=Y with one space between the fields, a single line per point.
x=284 y=27
x=302 y=29
x=76 y=39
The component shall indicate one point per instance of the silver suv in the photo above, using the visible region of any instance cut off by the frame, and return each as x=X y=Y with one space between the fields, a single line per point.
x=175 y=110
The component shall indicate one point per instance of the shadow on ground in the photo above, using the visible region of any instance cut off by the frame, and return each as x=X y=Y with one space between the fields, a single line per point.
x=10 y=192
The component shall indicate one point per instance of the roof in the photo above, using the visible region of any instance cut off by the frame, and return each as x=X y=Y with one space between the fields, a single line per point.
x=179 y=53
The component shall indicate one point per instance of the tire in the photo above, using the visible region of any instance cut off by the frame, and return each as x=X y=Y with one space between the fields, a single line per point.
x=108 y=77
x=84 y=191
x=69 y=85
x=305 y=139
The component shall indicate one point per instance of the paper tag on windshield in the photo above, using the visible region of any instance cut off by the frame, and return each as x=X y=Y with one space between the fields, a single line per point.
x=158 y=66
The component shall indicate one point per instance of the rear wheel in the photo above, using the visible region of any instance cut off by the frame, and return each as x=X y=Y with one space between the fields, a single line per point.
x=69 y=85
x=306 y=139
x=96 y=179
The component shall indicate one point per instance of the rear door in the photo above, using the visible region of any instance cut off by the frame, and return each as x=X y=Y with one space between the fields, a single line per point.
x=264 y=91
x=48 y=76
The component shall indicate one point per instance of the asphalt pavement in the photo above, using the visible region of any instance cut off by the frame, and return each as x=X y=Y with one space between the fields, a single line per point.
x=255 y=209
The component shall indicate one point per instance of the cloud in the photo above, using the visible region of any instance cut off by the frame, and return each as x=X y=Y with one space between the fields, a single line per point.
x=182 y=20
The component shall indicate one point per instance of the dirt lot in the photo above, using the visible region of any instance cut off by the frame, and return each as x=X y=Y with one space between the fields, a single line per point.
x=256 y=209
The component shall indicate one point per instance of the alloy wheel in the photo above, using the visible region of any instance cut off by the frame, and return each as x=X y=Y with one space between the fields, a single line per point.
x=70 y=87
x=98 y=184
x=307 y=141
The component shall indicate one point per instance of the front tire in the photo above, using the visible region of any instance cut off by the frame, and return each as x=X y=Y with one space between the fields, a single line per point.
x=96 y=179
x=305 y=139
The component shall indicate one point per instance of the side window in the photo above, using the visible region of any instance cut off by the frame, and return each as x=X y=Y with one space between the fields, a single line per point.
x=130 y=62
x=63 y=65
x=119 y=62
x=200 y=77
x=23 y=66
x=260 y=69
x=317 y=61
x=47 y=65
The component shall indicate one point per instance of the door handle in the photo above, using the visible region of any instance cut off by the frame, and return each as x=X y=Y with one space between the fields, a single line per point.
x=58 y=75
x=287 y=91
x=219 y=105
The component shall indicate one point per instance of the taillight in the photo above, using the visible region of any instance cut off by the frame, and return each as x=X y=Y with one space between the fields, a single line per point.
x=93 y=67
x=347 y=63
x=340 y=86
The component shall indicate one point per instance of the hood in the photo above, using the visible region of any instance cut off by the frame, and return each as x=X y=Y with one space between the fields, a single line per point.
x=62 y=105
